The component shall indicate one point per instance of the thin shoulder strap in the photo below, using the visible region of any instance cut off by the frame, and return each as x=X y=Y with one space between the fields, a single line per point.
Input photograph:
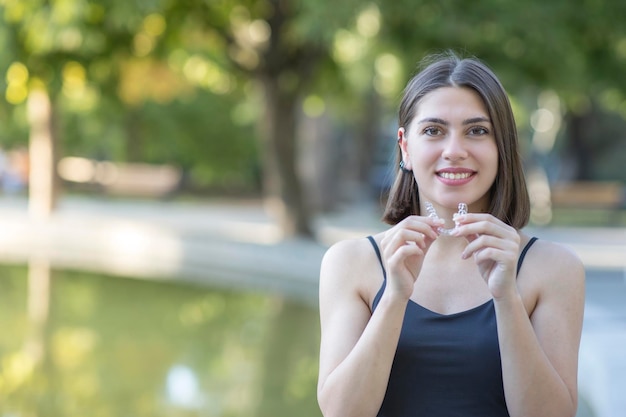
x=523 y=254
x=380 y=258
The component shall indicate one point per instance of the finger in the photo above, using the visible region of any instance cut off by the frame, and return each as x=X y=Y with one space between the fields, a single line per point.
x=474 y=246
x=501 y=258
x=484 y=242
x=407 y=251
x=403 y=237
x=484 y=227
x=470 y=237
x=424 y=225
x=411 y=237
x=476 y=217
x=406 y=259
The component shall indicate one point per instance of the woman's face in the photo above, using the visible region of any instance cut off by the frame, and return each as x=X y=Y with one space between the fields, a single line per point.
x=451 y=148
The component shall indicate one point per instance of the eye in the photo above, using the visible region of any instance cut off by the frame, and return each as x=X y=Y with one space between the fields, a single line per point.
x=478 y=131
x=432 y=131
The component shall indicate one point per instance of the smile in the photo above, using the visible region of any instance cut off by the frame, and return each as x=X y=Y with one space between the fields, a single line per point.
x=455 y=175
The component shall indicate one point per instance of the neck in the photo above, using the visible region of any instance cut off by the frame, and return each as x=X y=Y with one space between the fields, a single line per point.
x=449 y=244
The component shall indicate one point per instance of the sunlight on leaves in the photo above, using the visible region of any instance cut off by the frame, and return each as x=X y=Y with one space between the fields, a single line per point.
x=70 y=39
x=14 y=10
x=205 y=73
x=17 y=79
x=146 y=79
x=67 y=11
x=74 y=79
x=368 y=21
x=314 y=106
x=17 y=73
x=154 y=24
x=388 y=74
x=348 y=47
x=143 y=44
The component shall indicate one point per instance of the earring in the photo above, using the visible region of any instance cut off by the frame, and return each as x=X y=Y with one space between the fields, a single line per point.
x=402 y=167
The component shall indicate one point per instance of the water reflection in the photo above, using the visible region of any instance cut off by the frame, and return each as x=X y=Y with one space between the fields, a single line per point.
x=183 y=389
x=76 y=344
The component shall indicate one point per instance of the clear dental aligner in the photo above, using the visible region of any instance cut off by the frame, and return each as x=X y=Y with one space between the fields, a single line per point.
x=462 y=209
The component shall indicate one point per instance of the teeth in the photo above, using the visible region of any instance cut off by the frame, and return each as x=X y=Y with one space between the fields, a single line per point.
x=453 y=176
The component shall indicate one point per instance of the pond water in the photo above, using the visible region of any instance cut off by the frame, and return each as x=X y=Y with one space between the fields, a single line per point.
x=82 y=344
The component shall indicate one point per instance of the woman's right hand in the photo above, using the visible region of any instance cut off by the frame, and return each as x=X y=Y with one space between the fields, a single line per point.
x=404 y=247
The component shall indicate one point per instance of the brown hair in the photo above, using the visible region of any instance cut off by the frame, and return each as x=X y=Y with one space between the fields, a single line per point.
x=509 y=199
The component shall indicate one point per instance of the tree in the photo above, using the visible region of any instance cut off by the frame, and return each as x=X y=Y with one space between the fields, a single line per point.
x=280 y=45
x=117 y=91
x=130 y=63
x=51 y=45
x=277 y=44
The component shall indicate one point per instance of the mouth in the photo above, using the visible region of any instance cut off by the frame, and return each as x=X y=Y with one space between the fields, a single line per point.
x=455 y=175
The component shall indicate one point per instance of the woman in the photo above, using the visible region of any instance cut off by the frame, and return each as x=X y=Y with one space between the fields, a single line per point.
x=435 y=317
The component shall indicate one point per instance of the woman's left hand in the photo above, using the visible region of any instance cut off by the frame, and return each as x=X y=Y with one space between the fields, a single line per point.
x=495 y=248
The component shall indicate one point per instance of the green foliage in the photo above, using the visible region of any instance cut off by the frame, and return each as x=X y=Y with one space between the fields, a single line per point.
x=196 y=133
x=568 y=46
x=176 y=68
x=111 y=70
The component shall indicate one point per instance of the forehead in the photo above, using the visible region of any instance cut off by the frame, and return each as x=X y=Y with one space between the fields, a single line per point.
x=451 y=103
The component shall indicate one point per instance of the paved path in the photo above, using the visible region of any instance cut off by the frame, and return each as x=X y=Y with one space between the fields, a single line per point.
x=235 y=244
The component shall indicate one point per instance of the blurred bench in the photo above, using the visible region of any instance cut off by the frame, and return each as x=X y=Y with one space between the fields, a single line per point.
x=127 y=179
x=604 y=195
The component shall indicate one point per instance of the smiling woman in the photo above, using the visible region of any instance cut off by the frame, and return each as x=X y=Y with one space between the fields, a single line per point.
x=452 y=136
x=425 y=319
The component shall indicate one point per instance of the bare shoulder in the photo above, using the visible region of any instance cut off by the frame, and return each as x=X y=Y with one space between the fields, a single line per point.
x=347 y=248
x=349 y=267
x=553 y=267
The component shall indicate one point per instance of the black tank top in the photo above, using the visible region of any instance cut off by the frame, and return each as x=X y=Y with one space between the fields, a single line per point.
x=446 y=365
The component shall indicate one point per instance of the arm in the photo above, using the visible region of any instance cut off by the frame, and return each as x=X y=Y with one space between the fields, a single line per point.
x=539 y=353
x=357 y=346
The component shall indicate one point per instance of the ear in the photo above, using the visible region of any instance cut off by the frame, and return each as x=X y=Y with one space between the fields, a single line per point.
x=403 y=143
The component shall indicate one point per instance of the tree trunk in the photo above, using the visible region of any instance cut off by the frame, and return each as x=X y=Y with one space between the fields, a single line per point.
x=134 y=137
x=281 y=179
x=368 y=138
x=580 y=150
x=43 y=182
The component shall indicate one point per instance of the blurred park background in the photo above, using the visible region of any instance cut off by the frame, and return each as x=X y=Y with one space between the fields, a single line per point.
x=215 y=148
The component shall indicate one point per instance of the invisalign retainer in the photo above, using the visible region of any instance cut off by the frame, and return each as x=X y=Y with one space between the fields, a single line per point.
x=462 y=209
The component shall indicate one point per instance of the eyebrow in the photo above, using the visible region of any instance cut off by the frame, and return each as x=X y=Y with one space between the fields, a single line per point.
x=470 y=121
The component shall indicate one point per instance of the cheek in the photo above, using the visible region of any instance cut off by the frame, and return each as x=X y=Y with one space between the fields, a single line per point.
x=425 y=155
x=490 y=159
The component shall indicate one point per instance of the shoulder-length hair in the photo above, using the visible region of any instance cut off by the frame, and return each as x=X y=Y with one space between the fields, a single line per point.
x=509 y=200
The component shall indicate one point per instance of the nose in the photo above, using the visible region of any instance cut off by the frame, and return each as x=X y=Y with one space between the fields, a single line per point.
x=454 y=148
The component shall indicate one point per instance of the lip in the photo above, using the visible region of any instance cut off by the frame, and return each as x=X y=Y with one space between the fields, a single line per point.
x=455 y=175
